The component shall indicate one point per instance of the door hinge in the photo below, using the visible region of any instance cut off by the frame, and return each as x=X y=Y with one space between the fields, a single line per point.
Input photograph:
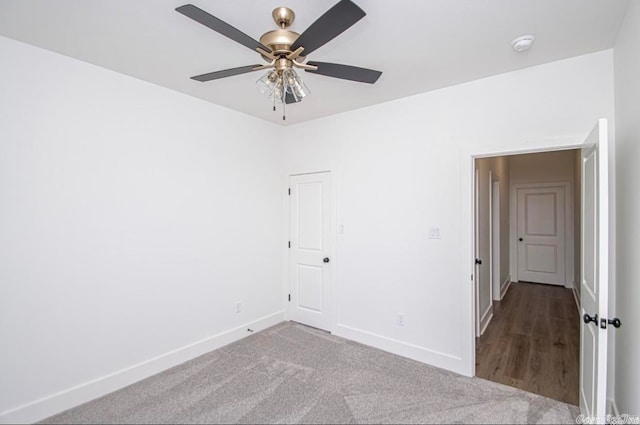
x=471 y=277
x=289 y=297
x=289 y=244
x=289 y=191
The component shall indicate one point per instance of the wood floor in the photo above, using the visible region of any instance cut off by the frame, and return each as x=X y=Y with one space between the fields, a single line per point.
x=533 y=342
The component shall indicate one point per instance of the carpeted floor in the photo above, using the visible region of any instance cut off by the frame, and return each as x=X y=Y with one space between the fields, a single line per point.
x=295 y=374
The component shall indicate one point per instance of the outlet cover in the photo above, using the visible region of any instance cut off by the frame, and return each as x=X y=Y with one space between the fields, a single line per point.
x=434 y=233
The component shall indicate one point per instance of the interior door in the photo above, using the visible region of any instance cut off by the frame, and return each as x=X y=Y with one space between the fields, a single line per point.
x=478 y=261
x=594 y=287
x=541 y=234
x=310 y=249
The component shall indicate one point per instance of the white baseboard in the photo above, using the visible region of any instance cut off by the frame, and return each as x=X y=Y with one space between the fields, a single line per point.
x=505 y=286
x=71 y=397
x=404 y=349
x=486 y=318
x=577 y=299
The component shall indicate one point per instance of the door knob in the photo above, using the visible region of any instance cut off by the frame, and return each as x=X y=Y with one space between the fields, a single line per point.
x=615 y=322
x=478 y=261
x=325 y=260
x=588 y=319
x=520 y=239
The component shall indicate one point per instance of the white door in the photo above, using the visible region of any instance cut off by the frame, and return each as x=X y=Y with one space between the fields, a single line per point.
x=594 y=287
x=541 y=234
x=476 y=238
x=310 y=259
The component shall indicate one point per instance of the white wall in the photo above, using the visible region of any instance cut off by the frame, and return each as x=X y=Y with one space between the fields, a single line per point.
x=401 y=167
x=132 y=219
x=543 y=167
x=627 y=109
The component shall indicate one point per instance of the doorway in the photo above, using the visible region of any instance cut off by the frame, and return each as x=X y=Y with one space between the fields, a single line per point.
x=593 y=277
x=528 y=328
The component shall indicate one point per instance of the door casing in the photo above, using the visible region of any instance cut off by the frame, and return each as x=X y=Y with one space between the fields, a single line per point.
x=468 y=156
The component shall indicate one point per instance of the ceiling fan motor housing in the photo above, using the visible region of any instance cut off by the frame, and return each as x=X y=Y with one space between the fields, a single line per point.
x=279 y=41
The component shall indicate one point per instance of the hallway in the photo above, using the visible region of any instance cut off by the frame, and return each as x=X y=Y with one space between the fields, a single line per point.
x=533 y=342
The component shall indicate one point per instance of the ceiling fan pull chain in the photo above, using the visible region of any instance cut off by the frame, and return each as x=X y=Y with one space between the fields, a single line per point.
x=283 y=110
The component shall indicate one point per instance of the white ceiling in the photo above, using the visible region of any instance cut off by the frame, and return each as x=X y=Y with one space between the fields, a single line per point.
x=419 y=45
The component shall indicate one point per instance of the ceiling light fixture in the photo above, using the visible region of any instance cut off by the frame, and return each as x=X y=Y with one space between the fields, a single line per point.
x=523 y=43
x=282 y=83
x=284 y=50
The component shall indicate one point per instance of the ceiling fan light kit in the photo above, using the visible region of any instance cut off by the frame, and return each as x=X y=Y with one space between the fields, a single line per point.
x=283 y=51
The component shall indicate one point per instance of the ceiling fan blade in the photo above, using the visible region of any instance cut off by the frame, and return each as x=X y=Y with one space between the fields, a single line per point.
x=289 y=98
x=346 y=72
x=220 y=26
x=330 y=25
x=224 y=73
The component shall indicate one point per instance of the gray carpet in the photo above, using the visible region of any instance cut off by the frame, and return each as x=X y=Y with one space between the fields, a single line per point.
x=294 y=374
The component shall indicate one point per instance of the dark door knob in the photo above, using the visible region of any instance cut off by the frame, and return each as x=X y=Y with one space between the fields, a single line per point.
x=588 y=319
x=520 y=239
x=325 y=260
x=478 y=261
x=615 y=322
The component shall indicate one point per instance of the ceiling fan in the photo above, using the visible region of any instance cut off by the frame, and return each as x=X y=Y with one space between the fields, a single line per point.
x=285 y=50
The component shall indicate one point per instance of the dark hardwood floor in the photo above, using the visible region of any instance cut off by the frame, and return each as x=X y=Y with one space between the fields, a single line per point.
x=533 y=342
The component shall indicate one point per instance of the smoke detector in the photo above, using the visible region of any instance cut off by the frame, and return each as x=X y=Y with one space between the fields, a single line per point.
x=523 y=43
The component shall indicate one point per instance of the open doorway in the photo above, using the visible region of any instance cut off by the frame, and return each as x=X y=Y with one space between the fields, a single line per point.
x=527 y=234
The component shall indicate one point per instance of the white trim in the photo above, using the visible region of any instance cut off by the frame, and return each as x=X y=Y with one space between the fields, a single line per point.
x=505 y=287
x=568 y=224
x=576 y=297
x=468 y=154
x=495 y=240
x=404 y=349
x=486 y=318
x=55 y=403
x=491 y=271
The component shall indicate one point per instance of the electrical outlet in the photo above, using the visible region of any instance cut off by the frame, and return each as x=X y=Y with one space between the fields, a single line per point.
x=400 y=319
x=238 y=307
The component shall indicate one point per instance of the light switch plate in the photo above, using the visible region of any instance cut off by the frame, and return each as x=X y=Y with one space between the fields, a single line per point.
x=434 y=233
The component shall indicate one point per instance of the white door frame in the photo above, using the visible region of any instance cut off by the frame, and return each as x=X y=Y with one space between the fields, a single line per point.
x=568 y=226
x=494 y=213
x=476 y=247
x=484 y=317
x=333 y=241
x=467 y=226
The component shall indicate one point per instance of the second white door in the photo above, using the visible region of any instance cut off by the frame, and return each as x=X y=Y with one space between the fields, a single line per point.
x=310 y=250
x=541 y=234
